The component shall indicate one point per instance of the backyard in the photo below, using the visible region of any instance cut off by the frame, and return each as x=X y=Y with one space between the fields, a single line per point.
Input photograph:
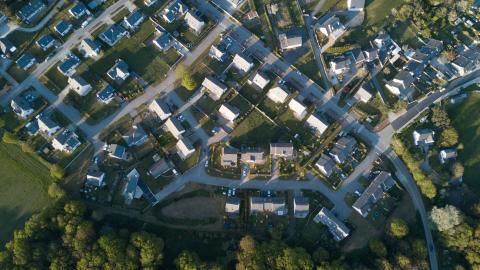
x=255 y=130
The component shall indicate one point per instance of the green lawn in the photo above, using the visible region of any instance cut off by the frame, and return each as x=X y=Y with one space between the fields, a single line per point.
x=469 y=129
x=255 y=130
x=25 y=181
x=377 y=10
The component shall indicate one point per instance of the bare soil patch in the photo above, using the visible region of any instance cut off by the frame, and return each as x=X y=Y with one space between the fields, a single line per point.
x=195 y=208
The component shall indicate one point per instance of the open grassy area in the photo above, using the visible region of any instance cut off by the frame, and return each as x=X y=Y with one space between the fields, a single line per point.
x=255 y=130
x=25 y=181
x=469 y=129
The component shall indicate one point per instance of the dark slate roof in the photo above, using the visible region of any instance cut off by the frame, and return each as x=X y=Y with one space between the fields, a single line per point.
x=106 y=93
x=134 y=18
x=31 y=10
x=163 y=40
x=71 y=62
x=113 y=34
x=147 y=192
x=78 y=10
x=25 y=60
x=63 y=27
x=45 y=41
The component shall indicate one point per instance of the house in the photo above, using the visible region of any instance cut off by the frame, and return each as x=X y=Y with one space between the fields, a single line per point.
x=163 y=41
x=26 y=61
x=67 y=141
x=343 y=149
x=229 y=157
x=117 y=151
x=113 y=34
x=194 y=22
x=218 y=52
x=159 y=168
x=95 y=179
x=259 y=79
x=357 y=56
x=274 y=205
x=340 y=65
x=149 y=3
x=232 y=205
x=400 y=84
x=229 y=112
x=93 y=4
x=45 y=42
x=174 y=127
x=242 y=63
x=434 y=44
x=447 y=154
x=388 y=49
x=363 y=95
x=63 y=28
x=185 y=148
x=7 y=47
x=235 y=3
x=253 y=156
x=278 y=94
x=291 y=39
x=298 y=108
x=47 y=125
x=462 y=65
x=132 y=190
x=282 y=150
x=90 y=48
x=173 y=11
x=325 y=165
x=301 y=207
x=79 y=85
x=374 y=192
x=336 y=227
x=29 y=12
x=370 y=54
x=215 y=88
x=69 y=64
x=136 y=136
x=355 y=5
x=106 y=95
x=423 y=137
x=21 y=107
x=119 y=72
x=147 y=193
x=32 y=127
x=315 y=122
x=79 y=10
x=133 y=21
x=160 y=108
x=332 y=28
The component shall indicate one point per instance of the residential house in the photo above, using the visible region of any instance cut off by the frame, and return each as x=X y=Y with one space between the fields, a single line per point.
x=63 y=28
x=7 y=47
x=218 y=52
x=69 y=64
x=232 y=205
x=133 y=21
x=174 y=10
x=106 y=95
x=79 y=10
x=21 y=107
x=32 y=128
x=185 y=148
x=119 y=72
x=113 y=34
x=355 y=5
x=164 y=41
x=278 y=94
x=195 y=23
x=363 y=94
x=215 y=88
x=45 y=42
x=79 y=85
x=30 y=11
x=259 y=79
x=374 y=192
x=242 y=63
x=174 y=127
x=423 y=137
x=235 y=3
x=340 y=65
x=370 y=54
x=132 y=190
x=67 y=141
x=147 y=193
x=401 y=84
x=117 y=151
x=301 y=207
x=298 y=108
x=229 y=157
x=95 y=179
x=229 y=112
x=136 y=136
x=159 y=168
x=253 y=156
x=462 y=65
x=343 y=148
x=26 y=61
x=332 y=28
x=47 y=125
x=275 y=205
x=160 y=108
x=434 y=44
x=388 y=49
x=447 y=155
x=90 y=48
x=149 y=3
x=325 y=165
x=336 y=227
x=282 y=150
x=291 y=39
x=316 y=123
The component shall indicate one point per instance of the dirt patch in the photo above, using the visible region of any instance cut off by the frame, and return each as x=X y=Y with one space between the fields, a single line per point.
x=195 y=208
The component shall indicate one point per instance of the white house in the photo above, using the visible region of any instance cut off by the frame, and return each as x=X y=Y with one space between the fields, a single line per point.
x=340 y=65
x=301 y=207
x=47 y=125
x=400 y=84
x=67 y=141
x=229 y=112
x=423 y=137
x=21 y=107
x=79 y=85
x=215 y=88
x=317 y=124
x=298 y=108
x=132 y=190
x=185 y=148
x=174 y=127
x=278 y=94
x=242 y=63
x=89 y=48
x=95 y=179
x=194 y=22
x=259 y=79
x=325 y=165
x=355 y=5
x=133 y=21
x=232 y=205
x=373 y=193
x=336 y=227
x=363 y=95
x=160 y=108
x=332 y=28
x=447 y=154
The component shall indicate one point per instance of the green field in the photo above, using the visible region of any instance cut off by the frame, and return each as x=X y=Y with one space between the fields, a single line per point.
x=255 y=130
x=469 y=129
x=24 y=183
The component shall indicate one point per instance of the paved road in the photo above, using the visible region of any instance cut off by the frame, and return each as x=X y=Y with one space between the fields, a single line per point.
x=316 y=50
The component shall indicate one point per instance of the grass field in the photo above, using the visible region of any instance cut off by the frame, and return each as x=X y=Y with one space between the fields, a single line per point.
x=255 y=130
x=469 y=129
x=25 y=181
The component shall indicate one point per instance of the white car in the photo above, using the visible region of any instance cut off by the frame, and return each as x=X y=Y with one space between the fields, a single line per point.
x=206 y=164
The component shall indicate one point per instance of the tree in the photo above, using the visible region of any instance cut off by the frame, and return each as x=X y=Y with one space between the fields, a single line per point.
x=386 y=70
x=440 y=117
x=398 y=228
x=57 y=172
x=188 y=260
x=378 y=248
x=448 y=137
x=457 y=169
x=186 y=77
x=405 y=12
x=452 y=16
x=10 y=138
x=399 y=106
x=2 y=122
x=444 y=219
x=56 y=192
x=26 y=148
x=419 y=249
